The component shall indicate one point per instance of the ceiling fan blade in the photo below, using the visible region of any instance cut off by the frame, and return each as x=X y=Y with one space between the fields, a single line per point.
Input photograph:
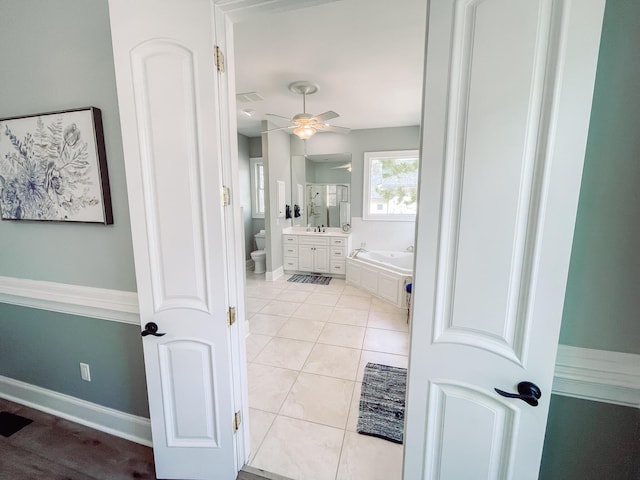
x=278 y=117
x=323 y=117
x=332 y=128
x=346 y=165
x=278 y=128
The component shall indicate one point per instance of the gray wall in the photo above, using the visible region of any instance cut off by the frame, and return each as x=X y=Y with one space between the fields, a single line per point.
x=603 y=300
x=244 y=186
x=592 y=440
x=55 y=56
x=276 y=153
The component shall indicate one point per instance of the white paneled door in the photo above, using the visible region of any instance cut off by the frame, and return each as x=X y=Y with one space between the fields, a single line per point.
x=168 y=97
x=508 y=91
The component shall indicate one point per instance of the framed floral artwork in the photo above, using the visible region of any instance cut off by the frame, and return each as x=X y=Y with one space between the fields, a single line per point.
x=53 y=167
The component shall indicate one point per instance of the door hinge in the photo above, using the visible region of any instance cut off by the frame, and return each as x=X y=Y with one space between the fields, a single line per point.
x=231 y=316
x=237 y=420
x=226 y=196
x=219 y=57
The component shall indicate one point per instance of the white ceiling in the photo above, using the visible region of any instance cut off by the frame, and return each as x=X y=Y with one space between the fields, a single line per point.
x=367 y=57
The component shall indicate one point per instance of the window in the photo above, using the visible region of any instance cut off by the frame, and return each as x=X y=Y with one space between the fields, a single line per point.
x=390 y=185
x=257 y=188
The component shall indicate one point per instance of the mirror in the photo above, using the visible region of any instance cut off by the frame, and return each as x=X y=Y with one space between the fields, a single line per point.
x=321 y=189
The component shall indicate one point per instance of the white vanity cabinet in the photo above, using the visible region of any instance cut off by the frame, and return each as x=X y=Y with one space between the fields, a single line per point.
x=313 y=254
x=319 y=253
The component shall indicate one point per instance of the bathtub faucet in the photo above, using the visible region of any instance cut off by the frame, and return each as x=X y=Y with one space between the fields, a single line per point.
x=356 y=251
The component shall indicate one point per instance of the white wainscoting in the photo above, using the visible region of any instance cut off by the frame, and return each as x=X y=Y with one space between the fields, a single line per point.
x=114 y=305
x=124 y=425
x=596 y=375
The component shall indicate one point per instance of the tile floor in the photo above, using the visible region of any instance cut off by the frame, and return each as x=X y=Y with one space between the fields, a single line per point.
x=306 y=355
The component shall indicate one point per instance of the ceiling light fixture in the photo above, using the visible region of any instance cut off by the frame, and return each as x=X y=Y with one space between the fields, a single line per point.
x=304 y=132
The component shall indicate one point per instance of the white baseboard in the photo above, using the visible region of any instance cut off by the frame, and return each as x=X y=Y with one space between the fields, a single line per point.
x=598 y=375
x=115 y=305
x=124 y=425
x=276 y=274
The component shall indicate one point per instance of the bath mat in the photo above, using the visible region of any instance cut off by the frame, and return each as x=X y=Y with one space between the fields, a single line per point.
x=382 y=402
x=316 y=279
x=11 y=423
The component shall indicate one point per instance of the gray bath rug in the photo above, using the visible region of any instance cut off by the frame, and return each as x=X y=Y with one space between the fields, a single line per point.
x=10 y=423
x=382 y=402
x=315 y=279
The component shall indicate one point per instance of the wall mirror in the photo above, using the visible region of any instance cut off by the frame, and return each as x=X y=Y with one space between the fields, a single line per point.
x=321 y=189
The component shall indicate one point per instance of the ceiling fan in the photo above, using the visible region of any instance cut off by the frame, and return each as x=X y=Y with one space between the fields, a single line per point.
x=305 y=125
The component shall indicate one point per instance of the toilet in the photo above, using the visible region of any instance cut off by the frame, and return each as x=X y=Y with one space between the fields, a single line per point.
x=259 y=256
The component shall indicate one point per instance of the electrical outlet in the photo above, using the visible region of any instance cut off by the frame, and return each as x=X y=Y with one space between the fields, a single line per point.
x=85 y=373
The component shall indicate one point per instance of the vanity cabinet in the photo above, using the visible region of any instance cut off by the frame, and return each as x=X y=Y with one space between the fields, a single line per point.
x=321 y=253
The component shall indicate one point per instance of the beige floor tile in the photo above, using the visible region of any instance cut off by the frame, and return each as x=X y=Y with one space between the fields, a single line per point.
x=388 y=320
x=380 y=305
x=301 y=329
x=354 y=408
x=349 y=316
x=266 y=324
x=367 y=356
x=387 y=341
x=370 y=458
x=278 y=307
x=255 y=344
x=342 y=335
x=301 y=287
x=319 y=399
x=293 y=296
x=260 y=422
x=313 y=312
x=354 y=301
x=332 y=361
x=328 y=299
x=335 y=287
x=268 y=292
x=355 y=291
x=254 y=305
x=285 y=353
x=300 y=450
x=269 y=386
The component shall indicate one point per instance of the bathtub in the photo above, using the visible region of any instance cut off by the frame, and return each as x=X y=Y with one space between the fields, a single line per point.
x=382 y=273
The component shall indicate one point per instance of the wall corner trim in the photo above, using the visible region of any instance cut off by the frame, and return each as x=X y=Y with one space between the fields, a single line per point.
x=114 y=305
x=276 y=274
x=598 y=375
x=114 y=422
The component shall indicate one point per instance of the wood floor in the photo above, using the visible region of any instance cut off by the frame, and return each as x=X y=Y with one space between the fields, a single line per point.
x=52 y=448
x=55 y=449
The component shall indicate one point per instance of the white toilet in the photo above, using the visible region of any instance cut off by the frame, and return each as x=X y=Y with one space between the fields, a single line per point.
x=259 y=256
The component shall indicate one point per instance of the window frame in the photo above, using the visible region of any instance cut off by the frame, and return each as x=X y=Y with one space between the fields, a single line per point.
x=255 y=164
x=369 y=157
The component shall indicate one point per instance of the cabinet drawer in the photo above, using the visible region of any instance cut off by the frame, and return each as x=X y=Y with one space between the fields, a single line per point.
x=338 y=267
x=337 y=252
x=290 y=250
x=290 y=263
x=287 y=239
x=314 y=240
x=338 y=241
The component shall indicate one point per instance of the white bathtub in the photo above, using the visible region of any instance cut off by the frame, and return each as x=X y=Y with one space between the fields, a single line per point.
x=382 y=273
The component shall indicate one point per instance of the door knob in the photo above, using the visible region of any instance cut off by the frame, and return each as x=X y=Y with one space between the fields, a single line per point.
x=151 y=329
x=527 y=391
